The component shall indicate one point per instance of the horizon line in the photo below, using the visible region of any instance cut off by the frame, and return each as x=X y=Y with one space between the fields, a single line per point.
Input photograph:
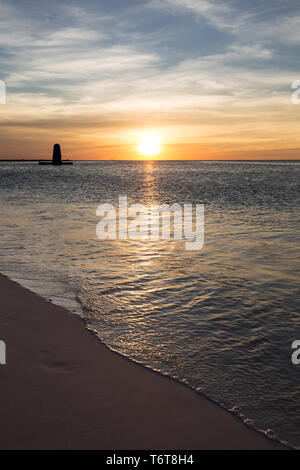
x=156 y=160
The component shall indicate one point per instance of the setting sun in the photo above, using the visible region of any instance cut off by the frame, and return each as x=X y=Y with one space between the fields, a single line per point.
x=149 y=145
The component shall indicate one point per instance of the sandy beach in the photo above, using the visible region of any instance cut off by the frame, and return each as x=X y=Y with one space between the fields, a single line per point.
x=63 y=389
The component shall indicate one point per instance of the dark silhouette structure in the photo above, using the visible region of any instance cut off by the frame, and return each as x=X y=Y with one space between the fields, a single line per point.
x=56 y=158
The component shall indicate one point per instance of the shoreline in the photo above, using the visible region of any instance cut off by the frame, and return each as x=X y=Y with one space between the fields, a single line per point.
x=62 y=388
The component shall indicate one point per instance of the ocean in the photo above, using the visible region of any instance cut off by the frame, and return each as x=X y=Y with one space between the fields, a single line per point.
x=221 y=319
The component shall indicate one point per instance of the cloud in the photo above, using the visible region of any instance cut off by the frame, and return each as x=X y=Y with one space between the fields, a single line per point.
x=283 y=30
x=100 y=75
x=271 y=21
x=220 y=14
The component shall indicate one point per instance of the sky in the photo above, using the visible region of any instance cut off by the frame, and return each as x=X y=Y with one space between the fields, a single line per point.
x=212 y=79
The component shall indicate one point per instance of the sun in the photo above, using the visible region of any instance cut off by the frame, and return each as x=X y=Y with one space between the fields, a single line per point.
x=149 y=145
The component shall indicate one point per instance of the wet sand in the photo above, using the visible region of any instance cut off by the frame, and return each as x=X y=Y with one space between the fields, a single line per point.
x=63 y=389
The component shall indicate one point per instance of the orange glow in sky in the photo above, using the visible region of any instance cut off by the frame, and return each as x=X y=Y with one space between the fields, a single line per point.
x=111 y=82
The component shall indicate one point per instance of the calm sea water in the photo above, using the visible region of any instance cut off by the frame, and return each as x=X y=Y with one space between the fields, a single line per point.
x=221 y=319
